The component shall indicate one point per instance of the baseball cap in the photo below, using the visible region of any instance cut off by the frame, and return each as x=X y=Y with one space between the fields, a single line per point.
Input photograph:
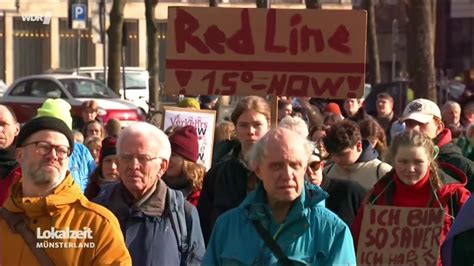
x=315 y=156
x=421 y=110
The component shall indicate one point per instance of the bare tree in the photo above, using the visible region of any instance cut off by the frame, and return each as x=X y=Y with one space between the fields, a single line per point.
x=115 y=33
x=263 y=3
x=311 y=4
x=152 y=51
x=420 y=40
x=372 y=44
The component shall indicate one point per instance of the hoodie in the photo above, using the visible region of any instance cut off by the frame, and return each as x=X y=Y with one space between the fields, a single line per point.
x=450 y=153
x=366 y=170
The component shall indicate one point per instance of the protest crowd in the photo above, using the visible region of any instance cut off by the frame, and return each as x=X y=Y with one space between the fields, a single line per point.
x=269 y=154
x=329 y=184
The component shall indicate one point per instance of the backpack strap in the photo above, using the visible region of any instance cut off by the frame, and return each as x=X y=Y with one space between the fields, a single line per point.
x=272 y=244
x=177 y=209
x=378 y=170
x=18 y=225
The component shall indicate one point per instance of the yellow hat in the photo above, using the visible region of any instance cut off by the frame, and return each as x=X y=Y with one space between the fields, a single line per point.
x=190 y=103
x=57 y=108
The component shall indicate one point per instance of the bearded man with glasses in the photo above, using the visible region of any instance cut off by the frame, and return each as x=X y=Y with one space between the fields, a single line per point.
x=159 y=225
x=46 y=219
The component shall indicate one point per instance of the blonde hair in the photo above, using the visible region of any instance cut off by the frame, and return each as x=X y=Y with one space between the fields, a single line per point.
x=415 y=138
x=93 y=140
x=194 y=172
x=225 y=130
x=86 y=128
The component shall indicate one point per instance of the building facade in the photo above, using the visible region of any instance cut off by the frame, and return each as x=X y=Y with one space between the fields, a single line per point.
x=28 y=45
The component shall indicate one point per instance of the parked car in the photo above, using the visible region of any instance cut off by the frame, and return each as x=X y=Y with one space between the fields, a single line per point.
x=136 y=82
x=27 y=94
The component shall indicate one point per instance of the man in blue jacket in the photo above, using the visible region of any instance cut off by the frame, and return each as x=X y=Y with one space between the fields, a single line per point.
x=283 y=211
x=160 y=227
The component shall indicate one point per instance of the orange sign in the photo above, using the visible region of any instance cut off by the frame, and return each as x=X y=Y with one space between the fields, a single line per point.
x=235 y=51
x=400 y=236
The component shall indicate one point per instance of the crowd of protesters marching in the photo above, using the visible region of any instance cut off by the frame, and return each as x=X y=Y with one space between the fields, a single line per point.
x=89 y=193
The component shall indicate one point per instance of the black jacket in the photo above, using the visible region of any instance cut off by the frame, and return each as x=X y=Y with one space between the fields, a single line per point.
x=224 y=188
x=7 y=161
x=450 y=153
x=360 y=115
x=345 y=197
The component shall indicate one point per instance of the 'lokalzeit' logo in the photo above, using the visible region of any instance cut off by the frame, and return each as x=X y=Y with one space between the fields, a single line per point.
x=64 y=238
x=45 y=18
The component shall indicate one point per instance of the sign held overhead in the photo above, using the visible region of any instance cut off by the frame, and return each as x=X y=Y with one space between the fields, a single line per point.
x=266 y=51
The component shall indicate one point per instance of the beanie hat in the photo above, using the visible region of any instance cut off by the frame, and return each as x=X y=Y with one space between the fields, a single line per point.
x=58 y=108
x=333 y=108
x=207 y=98
x=190 y=102
x=184 y=142
x=108 y=147
x=44 y=123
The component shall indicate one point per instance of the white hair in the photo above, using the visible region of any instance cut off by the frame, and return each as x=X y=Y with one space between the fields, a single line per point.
x=153 y=134
x=295 y=124
x=259 y=150
x=451 y=104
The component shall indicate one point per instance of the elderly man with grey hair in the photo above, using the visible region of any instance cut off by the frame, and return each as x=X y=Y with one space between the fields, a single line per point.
x=296 y=124
x=281 y=221
x=451 y=114
x=159 y=225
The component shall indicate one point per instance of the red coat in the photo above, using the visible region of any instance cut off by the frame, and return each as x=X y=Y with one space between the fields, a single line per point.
x=7 y=183
x=383 y=191
x=193 y=198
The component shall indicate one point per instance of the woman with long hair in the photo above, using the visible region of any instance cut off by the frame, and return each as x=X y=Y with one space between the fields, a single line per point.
x=415 y=181
x=94 y=128
x=184 y=173
x=375 y=134
x=228 y=182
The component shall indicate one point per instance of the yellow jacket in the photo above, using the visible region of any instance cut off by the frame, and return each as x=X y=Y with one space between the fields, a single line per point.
x=73 y=230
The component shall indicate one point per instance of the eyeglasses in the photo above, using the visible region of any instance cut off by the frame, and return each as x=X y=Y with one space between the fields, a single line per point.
x=315 y=166
x=141 y=158
x=44 y=148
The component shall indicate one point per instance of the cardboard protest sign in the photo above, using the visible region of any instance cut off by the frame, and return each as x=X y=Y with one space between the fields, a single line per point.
x=400 y=236
x=241 y=51
x=205 y=123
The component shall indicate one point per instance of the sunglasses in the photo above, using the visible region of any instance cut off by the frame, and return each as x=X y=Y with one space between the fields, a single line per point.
x=315 y=166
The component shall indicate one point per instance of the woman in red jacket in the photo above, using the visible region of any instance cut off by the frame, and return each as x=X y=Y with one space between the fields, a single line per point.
x=416 y=181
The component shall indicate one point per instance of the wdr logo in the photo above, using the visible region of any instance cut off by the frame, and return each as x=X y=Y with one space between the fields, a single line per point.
x=46 y=18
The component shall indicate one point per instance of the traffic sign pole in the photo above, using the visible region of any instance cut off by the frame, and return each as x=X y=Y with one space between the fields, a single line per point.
x=78 y=54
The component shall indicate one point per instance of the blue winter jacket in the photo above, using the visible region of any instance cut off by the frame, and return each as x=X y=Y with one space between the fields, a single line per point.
x=81 y=165
x=458 y=247
x=154 y=240
x=311 y=234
